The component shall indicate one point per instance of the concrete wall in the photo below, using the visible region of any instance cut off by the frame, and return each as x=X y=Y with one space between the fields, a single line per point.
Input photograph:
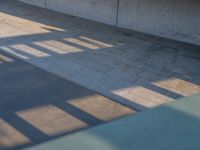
x=98 y=10
x=40 y=3
x=175 y=19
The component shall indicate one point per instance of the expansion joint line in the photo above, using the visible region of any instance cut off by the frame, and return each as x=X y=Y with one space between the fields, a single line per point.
x=117 y=13
x=45 y=4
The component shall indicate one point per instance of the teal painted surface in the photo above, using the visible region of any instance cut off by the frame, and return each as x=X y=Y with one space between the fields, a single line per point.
x=175 y=126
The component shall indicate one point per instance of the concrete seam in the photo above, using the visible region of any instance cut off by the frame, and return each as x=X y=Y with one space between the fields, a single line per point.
x=117 y=13
x=45 y=3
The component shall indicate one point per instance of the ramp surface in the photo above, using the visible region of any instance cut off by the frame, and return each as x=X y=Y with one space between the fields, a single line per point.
x=140 y=70
x=36 y=106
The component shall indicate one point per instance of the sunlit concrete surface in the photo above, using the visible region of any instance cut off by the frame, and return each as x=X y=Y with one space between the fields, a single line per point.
x=174 y=126
x=139 y=70
x=36 y=106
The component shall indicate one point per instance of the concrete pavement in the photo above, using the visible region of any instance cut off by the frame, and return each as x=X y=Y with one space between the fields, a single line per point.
x=36 y=106
x=139 y=70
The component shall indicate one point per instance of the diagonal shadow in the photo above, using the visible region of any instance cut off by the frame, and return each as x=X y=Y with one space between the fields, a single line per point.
x=26 y=88
x=70 y=31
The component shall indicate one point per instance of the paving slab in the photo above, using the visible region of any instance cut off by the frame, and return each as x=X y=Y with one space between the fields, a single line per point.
x=139 y=70
x=174 y=126
x=36 y=106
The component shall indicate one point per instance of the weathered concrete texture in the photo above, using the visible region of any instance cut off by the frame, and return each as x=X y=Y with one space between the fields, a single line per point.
x=175 y=19
x=174 y=126
x=98 y=10
x=40 y=3
x=139 y=70
x=36 y=106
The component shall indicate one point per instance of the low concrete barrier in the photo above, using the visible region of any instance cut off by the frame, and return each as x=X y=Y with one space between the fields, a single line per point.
x=174 y=19
x=98 y=10
x=40 y=3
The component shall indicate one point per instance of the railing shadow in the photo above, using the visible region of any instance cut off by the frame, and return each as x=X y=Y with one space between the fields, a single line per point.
x=135 y=69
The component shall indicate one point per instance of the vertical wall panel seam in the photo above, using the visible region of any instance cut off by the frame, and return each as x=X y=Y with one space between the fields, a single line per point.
x=45 y=3
x=117 y=13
